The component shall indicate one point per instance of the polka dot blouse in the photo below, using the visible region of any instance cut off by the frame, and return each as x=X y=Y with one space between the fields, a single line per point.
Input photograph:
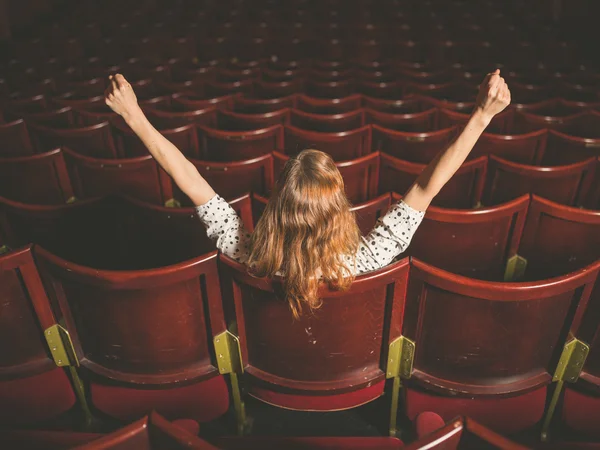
x=390 y=237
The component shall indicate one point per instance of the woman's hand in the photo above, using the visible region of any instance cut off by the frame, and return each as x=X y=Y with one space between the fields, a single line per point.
x=493 y=96
x=119 y=96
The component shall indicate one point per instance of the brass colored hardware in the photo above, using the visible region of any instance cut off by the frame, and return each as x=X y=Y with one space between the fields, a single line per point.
x=229 y=356
x=401 y=355
x=172 y=203
x=61 y=346
x=80 y=392
x=568 y=370
x=515 y=268
x=4 y=249
x=415 y=139
x=71 y=200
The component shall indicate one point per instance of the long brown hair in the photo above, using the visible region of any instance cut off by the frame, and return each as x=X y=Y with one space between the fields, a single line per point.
x=307 y=232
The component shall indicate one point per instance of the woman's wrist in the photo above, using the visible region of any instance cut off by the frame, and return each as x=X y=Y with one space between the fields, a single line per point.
x=134 y=117
x=481 y=118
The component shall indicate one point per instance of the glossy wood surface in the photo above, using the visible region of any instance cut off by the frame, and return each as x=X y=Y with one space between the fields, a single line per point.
x=310 y=355
x=420 y=122
x=93 y=140
x=149 y=327
x=37 y=179
x=229 y=120
x=459 y=354
x=328 y=123
x=340 y=146
x=462 y=191
x=218 y=145
x=328 y=106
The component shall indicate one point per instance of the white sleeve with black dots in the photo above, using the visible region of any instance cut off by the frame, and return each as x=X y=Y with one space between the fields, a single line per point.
x=390 y=237
x=225 y=228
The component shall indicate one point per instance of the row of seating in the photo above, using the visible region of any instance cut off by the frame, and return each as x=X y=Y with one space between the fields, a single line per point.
x=61 y=176
x=154 y=431
x=512 y=241
x=144 y=339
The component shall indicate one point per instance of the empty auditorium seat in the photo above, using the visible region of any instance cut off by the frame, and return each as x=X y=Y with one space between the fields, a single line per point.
x=528 y=148
x=527 y=121
x=327 y=123
x=233 y=179
x=159 y=236
x=167 y=118
x=39 y=179
x=143 y=338
x=418 y=147
x=459 y=367
x=329 y=89
x=361 y=175
x=320 y=374
x=476 y=243
x=247 y=105
x=507 y=180
x=32 y=387
x=15 y=139
x=229 y=120
x=415 y=122
x=501 y=123
x=558 y=239
x=368 y=212
x=220 y=145
x=463 y=191
x=328 y=106
x=139 y=177
x=93 y=140
x=189 y=101
x=408 y=105
x=341 y=146
x=564 y=148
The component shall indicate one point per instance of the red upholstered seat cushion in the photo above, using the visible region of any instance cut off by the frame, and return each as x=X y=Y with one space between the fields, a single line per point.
x=504 y=415
x=428 y=422
x=201 y=401
x=581 y=412
x=36 y=398
x=318 y=402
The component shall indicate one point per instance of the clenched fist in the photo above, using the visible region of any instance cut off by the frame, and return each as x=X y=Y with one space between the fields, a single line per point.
x=493 y=96
x=119 y=96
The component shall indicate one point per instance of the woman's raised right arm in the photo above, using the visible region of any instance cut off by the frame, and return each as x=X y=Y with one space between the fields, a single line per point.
x=121 y=99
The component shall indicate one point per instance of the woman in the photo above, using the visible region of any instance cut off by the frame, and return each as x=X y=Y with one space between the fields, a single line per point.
x=307 y=232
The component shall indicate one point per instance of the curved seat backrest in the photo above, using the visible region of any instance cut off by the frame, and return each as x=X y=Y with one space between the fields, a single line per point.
x=328 y=106
x=558 y=239
x=146 y=327
x=412 y=146
x=526 y=148
x=419 y=122
x=507 y=180
x=14 y=139
x=405 y=106
x=226 y=146
x=463 y=191
x=236 y=121
x=93 y=140
x=25 y=314
x=338 y=348
x=173 y=119
x=139 y=177
x=340 y=146
x=159 y=236
x=328 y=123
x=475 y=243
x=37 y=179
x=500 y=124
x=565 y=148
x=233 y=179
x=507 y=344
x=259 y=106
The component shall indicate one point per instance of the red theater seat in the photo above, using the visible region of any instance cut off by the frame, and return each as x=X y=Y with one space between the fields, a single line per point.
x=418 y=147
x=408 y=105
x=224 y=146
x=14 y=139
x=40 y=179
x=414 y=122
x=320 y=375
x=564 y=148
x=309 y=443
x=327 y=123
x=144 y=338
x=189 y=101
x=93 y=140
x=229 y=120
x=500 y=124
x=458 y=365
x=246 y=105
x=476 y=243
x=32 y=387
x=341 y=146
x=328 y=106
x=526 y=148
x=139 y=177
x=165 y=119
x=463 y=191
x=507 y=180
